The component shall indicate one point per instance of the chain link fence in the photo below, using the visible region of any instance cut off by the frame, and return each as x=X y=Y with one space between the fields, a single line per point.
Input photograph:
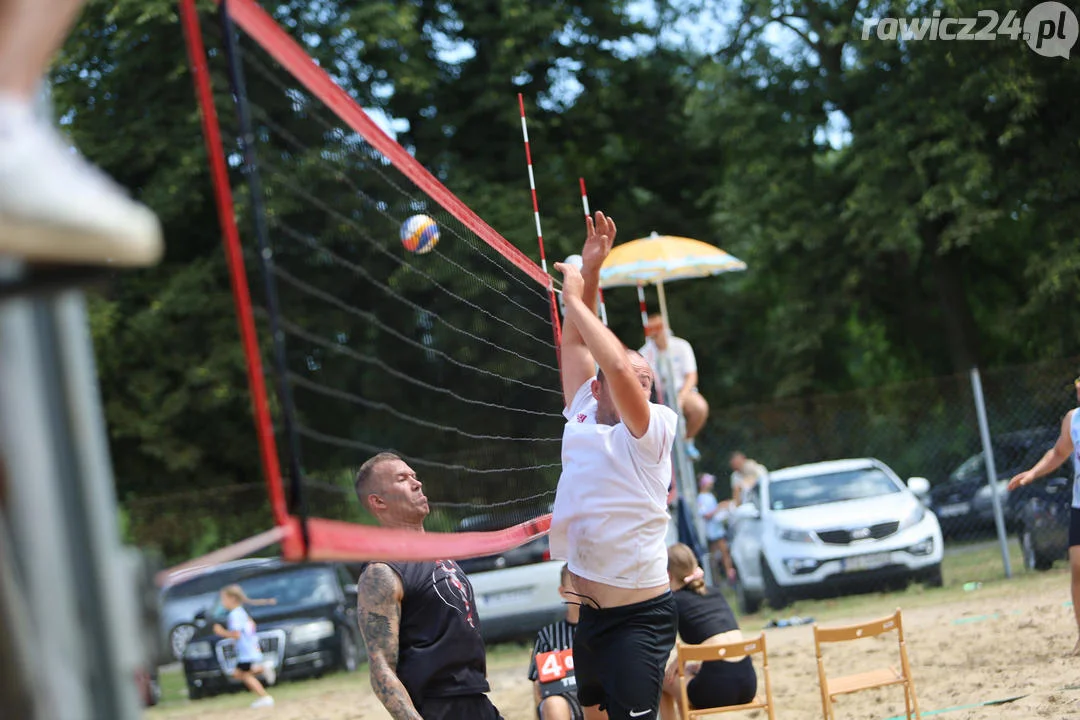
x=929 y=428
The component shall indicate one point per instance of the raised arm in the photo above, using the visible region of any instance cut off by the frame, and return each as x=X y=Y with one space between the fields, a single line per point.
x=627 y=392
x=1053 y=457
x=379 y=602
x=577 y=362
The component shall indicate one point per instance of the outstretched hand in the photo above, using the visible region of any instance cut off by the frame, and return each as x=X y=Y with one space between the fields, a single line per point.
x=573 y=285
x=1024 y=478
x=599 y=237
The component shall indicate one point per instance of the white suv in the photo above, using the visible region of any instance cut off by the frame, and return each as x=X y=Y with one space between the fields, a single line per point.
x=829 y=526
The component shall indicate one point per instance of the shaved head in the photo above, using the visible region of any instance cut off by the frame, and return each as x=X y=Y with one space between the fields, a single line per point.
x=367 y=477
x=389 y=489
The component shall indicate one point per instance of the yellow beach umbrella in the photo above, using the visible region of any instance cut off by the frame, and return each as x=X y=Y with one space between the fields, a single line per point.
x=663 y=258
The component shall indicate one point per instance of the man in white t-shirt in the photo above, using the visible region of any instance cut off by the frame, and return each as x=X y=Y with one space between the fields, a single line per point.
x=610 y=518
x=660 y=346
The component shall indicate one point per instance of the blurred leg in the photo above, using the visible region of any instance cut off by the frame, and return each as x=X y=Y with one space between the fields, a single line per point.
x=696 y=411
x=30 y=32
x=1074 y=566
x=555 y=708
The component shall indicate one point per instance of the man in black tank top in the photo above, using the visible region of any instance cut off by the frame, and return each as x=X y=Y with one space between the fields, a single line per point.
x=418 y=619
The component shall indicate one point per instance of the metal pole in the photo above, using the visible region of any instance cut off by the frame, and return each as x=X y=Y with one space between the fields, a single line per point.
x=663 y=302
x=991 y=469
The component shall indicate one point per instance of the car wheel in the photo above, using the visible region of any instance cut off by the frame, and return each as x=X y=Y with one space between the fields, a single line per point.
x=747 y=601
x=932 y=577
x=179 y=637
x=348 y=657
x=1032 y=559
x=774 y=594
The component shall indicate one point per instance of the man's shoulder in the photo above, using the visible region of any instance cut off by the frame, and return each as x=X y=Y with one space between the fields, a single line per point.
x=665 y=413
x=679 y=342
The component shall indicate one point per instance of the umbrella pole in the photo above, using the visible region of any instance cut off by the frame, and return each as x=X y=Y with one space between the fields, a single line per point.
x=663 y=303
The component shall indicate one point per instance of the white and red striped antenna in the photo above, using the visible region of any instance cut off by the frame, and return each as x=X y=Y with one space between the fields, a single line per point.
x=585 y=206
x=532 y=183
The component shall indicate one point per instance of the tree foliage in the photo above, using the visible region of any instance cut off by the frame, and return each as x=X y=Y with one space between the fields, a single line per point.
x=906 y=208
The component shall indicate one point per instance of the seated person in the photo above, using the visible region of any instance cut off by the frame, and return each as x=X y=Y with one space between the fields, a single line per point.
x=554 y=686
x=704 y=618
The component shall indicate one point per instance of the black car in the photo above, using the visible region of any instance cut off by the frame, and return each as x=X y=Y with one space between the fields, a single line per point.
x=311 y=629
x=964 y=503
x=1043 y=522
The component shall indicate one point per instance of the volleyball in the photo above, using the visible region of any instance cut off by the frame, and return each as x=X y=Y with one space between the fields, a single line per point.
x=419 y=234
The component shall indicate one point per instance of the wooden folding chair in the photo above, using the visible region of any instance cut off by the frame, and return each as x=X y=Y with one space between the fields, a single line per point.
x=716 y=652
x=830 y=689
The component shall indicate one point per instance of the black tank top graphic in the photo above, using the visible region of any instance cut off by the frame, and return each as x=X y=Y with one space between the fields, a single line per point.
x=440 y=651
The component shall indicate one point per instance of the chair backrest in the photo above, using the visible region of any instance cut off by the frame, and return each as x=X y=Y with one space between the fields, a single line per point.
x=859 y=631
x=722 y=651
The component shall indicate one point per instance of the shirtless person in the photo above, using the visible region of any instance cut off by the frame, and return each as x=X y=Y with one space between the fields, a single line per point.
x=610 y=518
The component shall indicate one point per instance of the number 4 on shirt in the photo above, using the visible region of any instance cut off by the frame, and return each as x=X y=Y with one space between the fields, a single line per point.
x=555 y=666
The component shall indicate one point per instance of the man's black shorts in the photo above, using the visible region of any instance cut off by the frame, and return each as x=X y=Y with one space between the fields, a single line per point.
x=576 y=712
x=620 y=655
x=463 y=707
x=1074 y=527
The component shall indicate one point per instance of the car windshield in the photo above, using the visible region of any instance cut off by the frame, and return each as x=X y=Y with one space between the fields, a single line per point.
x=834 y=487
x=971 y=469
x=291 y=589
x=209 y=582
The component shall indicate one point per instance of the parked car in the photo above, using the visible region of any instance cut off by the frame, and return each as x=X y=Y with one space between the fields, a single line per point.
x=1043 y=522
x=312 y=627
x=517 y=591
x=964 y=503
x=831 y=526
x=189 y=592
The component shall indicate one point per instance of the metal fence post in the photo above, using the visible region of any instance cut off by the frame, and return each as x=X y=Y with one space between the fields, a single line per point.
x=991 y=469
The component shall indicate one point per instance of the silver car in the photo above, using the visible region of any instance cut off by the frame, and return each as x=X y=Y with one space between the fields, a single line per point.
x=191 y=591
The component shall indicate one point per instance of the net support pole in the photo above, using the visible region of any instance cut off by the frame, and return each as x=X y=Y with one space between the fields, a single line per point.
x=991 y=469
x=599 y=291
x=555 y=321
x=298 y=503
x=235 y=259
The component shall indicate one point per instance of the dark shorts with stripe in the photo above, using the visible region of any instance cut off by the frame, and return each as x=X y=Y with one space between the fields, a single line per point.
x=464 y=707
x=620 y=655
x=1074 y=527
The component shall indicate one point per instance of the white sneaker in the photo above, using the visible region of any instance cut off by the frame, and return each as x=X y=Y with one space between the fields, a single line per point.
x=269 y=674
x=56 y=207
x=264 y=701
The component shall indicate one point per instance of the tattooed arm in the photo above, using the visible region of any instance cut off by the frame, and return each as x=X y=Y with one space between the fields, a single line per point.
x=379 y=603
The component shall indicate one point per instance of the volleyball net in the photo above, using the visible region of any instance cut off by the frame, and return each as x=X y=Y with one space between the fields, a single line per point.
x=355 y=343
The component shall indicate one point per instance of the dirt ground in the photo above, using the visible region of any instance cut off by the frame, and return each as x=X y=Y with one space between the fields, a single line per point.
x=996 y=643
